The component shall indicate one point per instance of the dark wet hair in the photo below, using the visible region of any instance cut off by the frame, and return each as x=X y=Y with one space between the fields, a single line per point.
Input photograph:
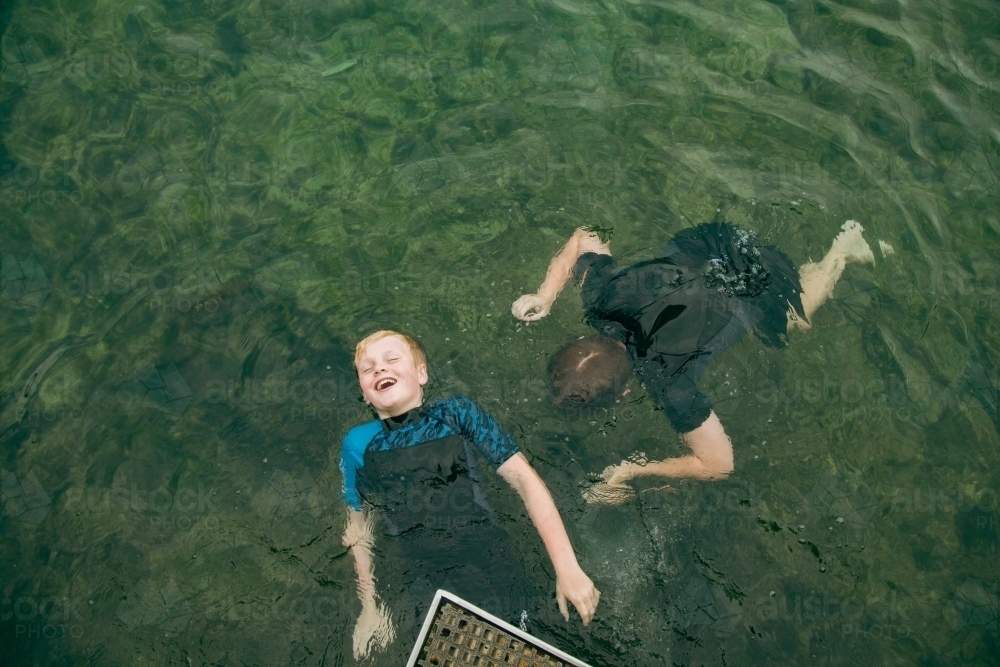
x=589 y=371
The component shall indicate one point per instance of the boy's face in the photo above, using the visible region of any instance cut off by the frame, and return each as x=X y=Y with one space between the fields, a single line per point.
x=390 y=379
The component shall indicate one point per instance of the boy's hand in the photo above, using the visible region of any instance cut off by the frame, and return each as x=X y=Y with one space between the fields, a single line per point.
x=620 y=474
x=531 y=307
x=611 y=488
x=373 y=631
x=576 y=587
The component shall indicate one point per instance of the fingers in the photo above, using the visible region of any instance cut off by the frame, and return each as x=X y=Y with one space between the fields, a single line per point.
x=588 y=607
x=563 y=608
x=520 y=309
x=529 y=308
x=585 y=604
x=373 y=631
x=360 y=643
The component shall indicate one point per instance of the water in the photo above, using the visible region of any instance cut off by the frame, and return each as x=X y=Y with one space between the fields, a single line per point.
x=206 y=204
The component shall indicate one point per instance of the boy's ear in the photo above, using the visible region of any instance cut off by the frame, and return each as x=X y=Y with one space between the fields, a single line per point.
x=422 y=374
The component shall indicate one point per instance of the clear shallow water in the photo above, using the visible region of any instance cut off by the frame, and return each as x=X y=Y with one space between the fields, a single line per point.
x=206 y=204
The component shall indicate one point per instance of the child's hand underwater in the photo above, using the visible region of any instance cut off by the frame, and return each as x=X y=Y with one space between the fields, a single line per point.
x=610 y=487
x=576 y=587
x=373 y=631
x=530 y=307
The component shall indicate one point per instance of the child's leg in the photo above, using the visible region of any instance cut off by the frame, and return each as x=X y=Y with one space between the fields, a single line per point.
x=819 y=278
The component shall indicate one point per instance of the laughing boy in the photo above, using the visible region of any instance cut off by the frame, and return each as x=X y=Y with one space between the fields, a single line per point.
x=416 y=465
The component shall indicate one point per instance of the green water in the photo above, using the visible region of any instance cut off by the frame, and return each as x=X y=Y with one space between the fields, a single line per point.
x=206 y=204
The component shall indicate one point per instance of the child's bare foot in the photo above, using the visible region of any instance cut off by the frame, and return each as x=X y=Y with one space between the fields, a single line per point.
x=852 y=245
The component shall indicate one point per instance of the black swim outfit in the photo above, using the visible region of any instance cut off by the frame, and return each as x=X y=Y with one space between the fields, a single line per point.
x=437 y=530
x=713 y=284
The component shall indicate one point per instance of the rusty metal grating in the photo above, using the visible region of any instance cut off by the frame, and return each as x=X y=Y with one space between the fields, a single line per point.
x=459 y=634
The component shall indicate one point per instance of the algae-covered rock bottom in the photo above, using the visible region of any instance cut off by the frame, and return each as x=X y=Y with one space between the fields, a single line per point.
x=205 y=204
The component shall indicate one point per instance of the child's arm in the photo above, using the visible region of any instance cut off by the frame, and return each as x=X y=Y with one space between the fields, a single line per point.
x=571 y=582
x=374 y=629
x=711 y=459
x=532 y=307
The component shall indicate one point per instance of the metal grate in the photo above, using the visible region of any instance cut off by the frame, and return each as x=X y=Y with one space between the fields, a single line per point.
x=458 y=634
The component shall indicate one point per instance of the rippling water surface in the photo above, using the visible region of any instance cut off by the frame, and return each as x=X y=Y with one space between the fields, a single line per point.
x=205 y=204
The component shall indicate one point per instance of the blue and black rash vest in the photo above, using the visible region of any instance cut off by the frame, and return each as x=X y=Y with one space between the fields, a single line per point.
x=419 y=470
x=713 y=284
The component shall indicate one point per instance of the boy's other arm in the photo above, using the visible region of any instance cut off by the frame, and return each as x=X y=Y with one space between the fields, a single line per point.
x=532 y=307
x=711 y=459
x=571 y=582
x=374 y=628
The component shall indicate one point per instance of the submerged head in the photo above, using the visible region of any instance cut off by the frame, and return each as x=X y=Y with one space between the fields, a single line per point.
x=392 y=371
x=593 y=370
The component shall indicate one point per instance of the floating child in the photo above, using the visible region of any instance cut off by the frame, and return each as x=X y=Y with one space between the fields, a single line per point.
x=410 y=477
x=669 y=317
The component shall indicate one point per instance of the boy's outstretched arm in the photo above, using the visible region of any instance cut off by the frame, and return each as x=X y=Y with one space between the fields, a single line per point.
x=711 y=459
x=374 y=628
x=571 y=582
x=532 y=307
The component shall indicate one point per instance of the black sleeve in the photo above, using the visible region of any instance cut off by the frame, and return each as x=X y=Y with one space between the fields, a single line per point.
x=678 y=395
x=595 y=271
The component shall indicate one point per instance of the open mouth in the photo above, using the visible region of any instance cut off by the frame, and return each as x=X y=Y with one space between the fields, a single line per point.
x=384 y=383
